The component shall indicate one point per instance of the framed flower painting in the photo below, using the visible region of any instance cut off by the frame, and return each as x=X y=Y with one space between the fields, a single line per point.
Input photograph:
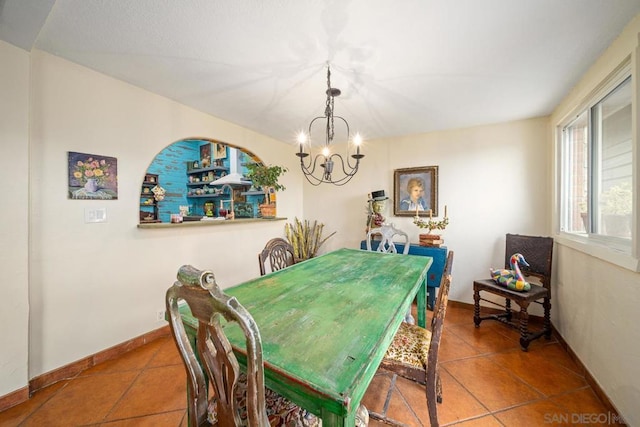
x=92 y=176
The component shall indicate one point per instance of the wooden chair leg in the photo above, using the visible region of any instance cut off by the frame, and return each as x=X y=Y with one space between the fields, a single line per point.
x=507 y=309
x=524 y=327
x=476 y=308
x=434 y=392
x=547 y=318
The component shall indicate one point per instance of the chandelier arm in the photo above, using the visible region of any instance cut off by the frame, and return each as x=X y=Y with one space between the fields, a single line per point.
x=348 y=142
x=311 y=162
x=315 y=182
x=353 y=170
x=312 y=165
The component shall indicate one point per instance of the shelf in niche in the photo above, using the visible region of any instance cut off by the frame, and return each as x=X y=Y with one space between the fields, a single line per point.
x=237 y=221
x=209 y=169
x=198 y=184
x=202 y=196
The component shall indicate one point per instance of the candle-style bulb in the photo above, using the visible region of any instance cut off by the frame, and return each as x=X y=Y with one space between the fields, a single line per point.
x=302 y=138
x=357 y=140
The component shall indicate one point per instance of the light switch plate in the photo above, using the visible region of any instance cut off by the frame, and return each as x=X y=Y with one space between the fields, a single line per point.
x=93 y=215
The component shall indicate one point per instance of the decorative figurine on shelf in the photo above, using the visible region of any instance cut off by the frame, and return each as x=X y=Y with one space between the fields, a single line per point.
x=376 y=207
x=196 y=165
x=158 y=193
x=430 y=239
x=209 y=206
x=512 y=279
x=206 y=162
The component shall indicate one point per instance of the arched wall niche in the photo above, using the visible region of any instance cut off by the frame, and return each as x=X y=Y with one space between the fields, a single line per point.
x=183 y=176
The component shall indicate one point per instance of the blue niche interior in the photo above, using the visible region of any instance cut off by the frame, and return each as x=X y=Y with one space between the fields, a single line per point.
x=186 y=169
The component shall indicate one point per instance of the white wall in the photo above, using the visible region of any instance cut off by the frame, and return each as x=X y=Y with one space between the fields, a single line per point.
x=97 y=285
x=494 y=180
x=14 y=217
x=597 y=302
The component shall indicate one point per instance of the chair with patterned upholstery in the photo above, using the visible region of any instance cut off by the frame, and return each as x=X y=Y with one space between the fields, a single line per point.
x=278 y=253
x=538 y=253
x=237 y=399
x=413 y=354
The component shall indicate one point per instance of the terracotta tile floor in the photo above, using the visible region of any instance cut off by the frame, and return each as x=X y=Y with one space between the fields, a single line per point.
x=486 y=382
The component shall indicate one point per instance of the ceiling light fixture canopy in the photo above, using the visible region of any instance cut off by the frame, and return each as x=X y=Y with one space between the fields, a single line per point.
x=326 y=160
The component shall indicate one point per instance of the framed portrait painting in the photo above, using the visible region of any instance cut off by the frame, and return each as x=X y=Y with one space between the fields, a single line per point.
x=205 y=152
x=415 y=191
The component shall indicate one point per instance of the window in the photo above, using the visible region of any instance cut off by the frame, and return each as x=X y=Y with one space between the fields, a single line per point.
x=596 y=167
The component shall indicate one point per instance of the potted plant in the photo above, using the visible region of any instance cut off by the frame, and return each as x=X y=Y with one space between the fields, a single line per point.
x=616 y=210
x=266 y=177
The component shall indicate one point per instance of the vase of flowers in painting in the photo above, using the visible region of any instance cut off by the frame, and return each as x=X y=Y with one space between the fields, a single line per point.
x=91 y=185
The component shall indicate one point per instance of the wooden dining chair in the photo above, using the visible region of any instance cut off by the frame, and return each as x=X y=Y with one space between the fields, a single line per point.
x=388 y=233
x=237 y=399
x=413 y=354
x=278 y=253
x=538 y=253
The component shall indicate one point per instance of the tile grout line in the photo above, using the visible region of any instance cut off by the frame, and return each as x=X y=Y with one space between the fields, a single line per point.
x=133 y=381
x=471 y=394
x=36 y=409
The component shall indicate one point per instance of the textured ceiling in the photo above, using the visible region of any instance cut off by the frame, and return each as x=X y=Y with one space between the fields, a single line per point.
x=404 y=66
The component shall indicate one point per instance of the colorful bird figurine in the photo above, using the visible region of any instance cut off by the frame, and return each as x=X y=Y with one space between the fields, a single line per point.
x=512 y=279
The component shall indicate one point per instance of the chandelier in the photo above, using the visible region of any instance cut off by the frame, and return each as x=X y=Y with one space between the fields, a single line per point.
x=325 y=161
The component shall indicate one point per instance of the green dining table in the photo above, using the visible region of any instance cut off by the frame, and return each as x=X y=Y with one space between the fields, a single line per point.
x=326 y=324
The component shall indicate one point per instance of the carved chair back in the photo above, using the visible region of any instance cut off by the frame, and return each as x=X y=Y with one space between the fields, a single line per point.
x=278 y=253
x=209 y=305
x=537 y=251
x=388 y=232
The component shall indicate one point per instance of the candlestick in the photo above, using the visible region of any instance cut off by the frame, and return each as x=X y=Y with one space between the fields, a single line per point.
x=445 y=211
x=430 y=214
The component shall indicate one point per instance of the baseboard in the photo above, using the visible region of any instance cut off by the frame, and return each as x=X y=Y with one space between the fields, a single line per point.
x=73 y=369
x=491 y=310
x=14 y=398
x=587 y=375
x=563 y=343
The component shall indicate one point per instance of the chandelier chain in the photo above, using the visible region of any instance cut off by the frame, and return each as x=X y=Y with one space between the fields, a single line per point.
x=329 y=109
